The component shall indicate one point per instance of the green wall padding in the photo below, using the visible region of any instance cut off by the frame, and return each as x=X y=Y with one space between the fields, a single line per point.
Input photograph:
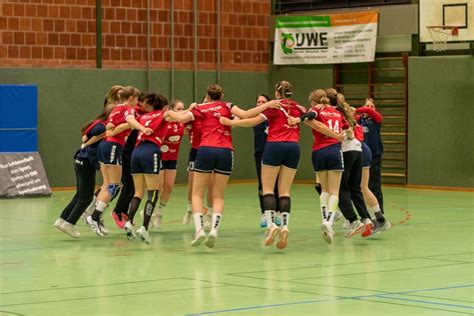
x=440 y=113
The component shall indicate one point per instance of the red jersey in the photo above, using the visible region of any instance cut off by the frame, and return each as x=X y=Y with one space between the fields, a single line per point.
x=333 y=119
x=195 y=133
x=214 y=134
x=155 y=121
x=278 y=128
x=119 y=116
x=359 y=133
x=173 y=137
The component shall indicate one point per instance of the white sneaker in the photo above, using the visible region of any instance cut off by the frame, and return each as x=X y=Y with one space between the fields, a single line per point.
x=198 y=238
x=94 y=226
x=211 y=238
x=129 y=231
x=284 y=233
x=69 y=229
x=102 y=227
x=207 y=221
x=143 y=234
x=156 y=220
x=272 y=233
x=378 y=228
x=263 y=221
x=354 y=228
x=328 y=232
x=187 y=218
x=346 y=224
x=58 y=223
x=338 y=216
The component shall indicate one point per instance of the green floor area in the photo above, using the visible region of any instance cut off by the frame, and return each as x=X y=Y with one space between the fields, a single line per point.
x=422 y=266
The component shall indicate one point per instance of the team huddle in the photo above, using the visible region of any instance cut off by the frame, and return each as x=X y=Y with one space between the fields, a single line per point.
x=135 y=141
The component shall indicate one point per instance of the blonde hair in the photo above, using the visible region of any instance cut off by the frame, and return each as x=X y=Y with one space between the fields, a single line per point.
x=318 y=96
x=284 y=88
x=113 y=95
x=344 y=108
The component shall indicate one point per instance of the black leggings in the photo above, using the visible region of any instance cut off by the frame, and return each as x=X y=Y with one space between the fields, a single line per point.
x=85 y=185
x=350 y=191
x=258 y=167
x=128 y=189
x=375 y=179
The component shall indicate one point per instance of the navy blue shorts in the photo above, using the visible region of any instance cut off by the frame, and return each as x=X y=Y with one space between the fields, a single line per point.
x=146 y=158
x=281 y=154
x=214 y=159
x=169 y=164
x=328 y=158
x=367 y=154
x=192 y=158
x=110 y=153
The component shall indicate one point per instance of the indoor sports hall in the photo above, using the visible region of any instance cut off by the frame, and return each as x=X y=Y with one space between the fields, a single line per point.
x=152 y=152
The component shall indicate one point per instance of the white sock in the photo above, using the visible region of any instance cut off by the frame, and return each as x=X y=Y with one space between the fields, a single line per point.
x=332 y=208
x=189 y=208
x=90 y=209
x=161 y=208
x=269 y=217
x=100 y=206
x=216 y=220
x=197 y=221
x=372 y=211
x=285 y=218
x=324 y=199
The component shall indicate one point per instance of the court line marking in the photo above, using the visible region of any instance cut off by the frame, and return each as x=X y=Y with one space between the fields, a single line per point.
x=12 y=313
x=424 y=302
x=87 y=286
x=350 y=263
x=361 y=297
x=372 y=290
x=110 y=296
x=415 y=306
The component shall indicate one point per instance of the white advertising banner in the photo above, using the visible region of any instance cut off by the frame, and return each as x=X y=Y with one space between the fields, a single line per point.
x=325 y=39
x=22 y=174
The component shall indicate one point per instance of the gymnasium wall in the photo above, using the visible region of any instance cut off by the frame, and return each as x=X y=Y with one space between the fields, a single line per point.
x=52 y=43
x=441 y=117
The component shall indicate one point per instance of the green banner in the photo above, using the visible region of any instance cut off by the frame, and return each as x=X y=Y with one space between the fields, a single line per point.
x=303 y=21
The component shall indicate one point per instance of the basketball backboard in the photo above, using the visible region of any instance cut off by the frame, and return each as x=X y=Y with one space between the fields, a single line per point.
x=458 y=13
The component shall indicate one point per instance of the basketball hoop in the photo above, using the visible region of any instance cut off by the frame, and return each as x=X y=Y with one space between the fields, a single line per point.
x=440 y=36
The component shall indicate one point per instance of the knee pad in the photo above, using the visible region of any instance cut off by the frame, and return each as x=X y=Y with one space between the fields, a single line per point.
x=284 y=204
x=269 y=202
x=114 y=189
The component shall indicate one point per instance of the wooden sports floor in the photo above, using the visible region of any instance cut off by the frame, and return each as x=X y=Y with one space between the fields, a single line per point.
x=422 y=266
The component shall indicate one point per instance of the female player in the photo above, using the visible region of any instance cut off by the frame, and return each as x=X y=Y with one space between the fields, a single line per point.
x=215 y=155
x=146 y=160
x=260 y=139
x=371 y=121
x=85 y=166
x=350 y=191
x=194 y=131
x=280 y=159
x=110 y=154
x=327 y=156
x=169 y=161
x=112 y=98
x=370 y=200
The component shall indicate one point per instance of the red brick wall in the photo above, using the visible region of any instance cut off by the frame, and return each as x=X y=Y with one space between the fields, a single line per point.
x=62 y=33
